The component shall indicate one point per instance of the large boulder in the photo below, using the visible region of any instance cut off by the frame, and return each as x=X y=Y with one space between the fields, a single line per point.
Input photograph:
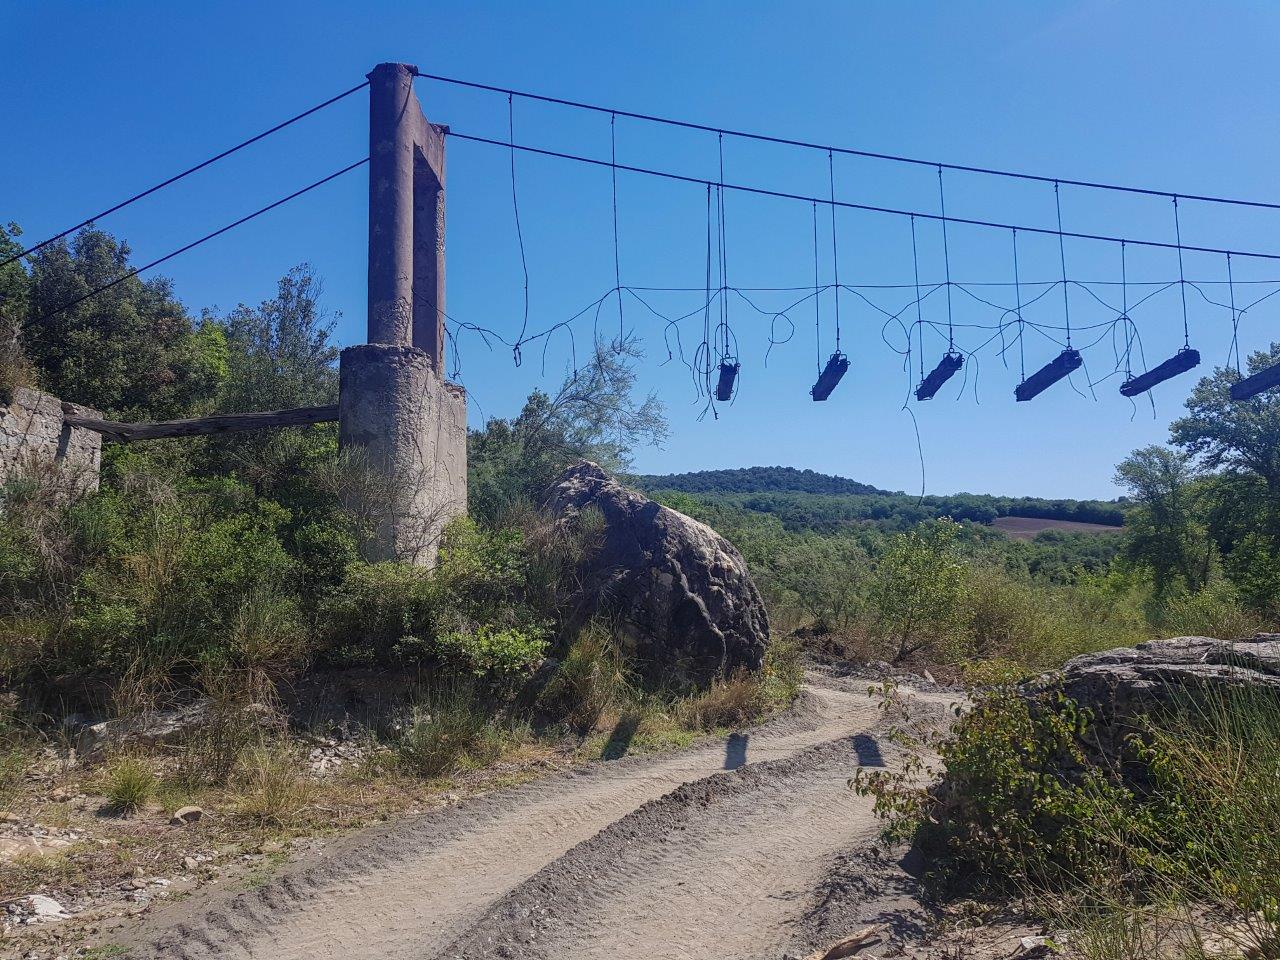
x=678 y=592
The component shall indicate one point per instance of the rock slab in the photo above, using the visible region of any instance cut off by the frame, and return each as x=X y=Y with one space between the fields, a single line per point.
x=1119 y=684
x=679 y=593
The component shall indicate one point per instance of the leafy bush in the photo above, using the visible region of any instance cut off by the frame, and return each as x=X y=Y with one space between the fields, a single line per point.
x=492 y=651
x=917 y=590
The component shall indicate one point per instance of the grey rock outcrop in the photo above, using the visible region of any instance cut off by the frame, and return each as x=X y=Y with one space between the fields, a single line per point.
x=1120 y=684
x=679 y=593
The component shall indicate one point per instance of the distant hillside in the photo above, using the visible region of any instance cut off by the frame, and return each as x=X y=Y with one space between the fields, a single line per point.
x=756 y=480
x=805 y=499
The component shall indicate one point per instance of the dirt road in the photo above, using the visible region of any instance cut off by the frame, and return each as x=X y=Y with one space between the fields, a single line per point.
x=653 y=857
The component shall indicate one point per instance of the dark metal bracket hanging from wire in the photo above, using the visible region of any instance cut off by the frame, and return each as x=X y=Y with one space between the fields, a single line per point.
x=953 y=359
x=837 y=364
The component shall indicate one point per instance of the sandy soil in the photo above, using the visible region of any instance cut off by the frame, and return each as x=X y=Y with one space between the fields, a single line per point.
x=722 y=850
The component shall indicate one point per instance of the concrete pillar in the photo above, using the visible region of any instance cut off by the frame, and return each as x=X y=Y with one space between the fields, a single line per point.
x=394 y=404
x=412 y=426
x=406 y=215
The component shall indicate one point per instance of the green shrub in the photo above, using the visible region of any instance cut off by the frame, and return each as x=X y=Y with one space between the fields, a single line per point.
x=494 y=652
x=377 y=607
x=128 y=783
x=1214 y=612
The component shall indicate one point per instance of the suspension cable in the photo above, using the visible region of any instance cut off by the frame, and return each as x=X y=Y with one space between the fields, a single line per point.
x=946 y=259
x=849 y=205
x=915 y=265
x=1017 y=289
x=1062 y=255
x=195 y=243
x=835 y=251
x=190 y=170
x=786 y=141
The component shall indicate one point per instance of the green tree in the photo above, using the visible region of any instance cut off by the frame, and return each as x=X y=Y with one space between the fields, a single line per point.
x=14 y=367
x=594 y=416
x=917 y=591
x=131 y=351
x=279 y=353
x=1237 y=436
x=1165 y=534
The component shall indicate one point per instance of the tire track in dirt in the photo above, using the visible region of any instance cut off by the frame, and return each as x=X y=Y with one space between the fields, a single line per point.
x=412 y=888
x=720 y=868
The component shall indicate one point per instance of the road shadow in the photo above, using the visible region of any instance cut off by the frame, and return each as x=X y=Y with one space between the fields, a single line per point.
x=868 y=751
x=620 y=739
x=735 y=751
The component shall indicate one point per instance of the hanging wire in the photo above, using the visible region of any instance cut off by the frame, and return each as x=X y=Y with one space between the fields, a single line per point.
x=915 y=264
x=723 y=332
x=1062 y=256
x=1017 y=290
x=1235 y=319
x=1182 y=280
x=817 y=298
x=515 y=207
x=835 y=253
x=617 y=263
x=705 y=349
x=1124 y=313
x=946 y=258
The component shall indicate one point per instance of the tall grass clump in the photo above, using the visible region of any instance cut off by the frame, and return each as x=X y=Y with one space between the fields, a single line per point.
x=593 y=678
x=453 y=728
x=128 y=783
x=271 y=786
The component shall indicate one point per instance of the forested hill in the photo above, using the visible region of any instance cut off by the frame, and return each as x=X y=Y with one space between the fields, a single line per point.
x=805 y=499
x=756 y=480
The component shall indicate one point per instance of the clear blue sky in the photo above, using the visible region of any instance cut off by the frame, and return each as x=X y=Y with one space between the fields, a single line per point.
x=105 y=98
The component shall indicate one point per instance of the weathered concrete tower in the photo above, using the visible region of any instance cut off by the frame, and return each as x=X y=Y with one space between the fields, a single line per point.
x=394 y=402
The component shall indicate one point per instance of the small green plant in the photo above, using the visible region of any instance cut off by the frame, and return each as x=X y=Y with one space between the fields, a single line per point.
x=129 y=783
x=490 y=651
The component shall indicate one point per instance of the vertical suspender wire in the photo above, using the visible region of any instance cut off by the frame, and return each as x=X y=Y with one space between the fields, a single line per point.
x=723 y=332
x=915 y=265
x=835 y=250
x=1182 y=280
x=946 y=259
x=1124 y=313
x=1017 y=292
x=515 y=207
x=1062 y=256
x=817 y=292
x=1235 y=319
x=617 y=262
x=706 y=312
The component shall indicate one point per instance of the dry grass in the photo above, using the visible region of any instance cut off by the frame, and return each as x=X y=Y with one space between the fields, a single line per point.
x=733 y=702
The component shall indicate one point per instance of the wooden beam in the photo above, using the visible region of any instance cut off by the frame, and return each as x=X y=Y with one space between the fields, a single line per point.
x=201 y=426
